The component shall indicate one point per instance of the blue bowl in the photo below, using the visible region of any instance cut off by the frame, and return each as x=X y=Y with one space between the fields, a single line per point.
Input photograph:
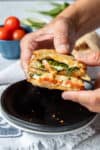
x=10 y=49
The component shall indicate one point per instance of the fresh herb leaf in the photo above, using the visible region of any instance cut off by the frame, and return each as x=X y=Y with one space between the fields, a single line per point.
x=55 y=11
x=70 y=70
x=57 y=65
x=35 y=75
x=32 y=23
x=62 y=66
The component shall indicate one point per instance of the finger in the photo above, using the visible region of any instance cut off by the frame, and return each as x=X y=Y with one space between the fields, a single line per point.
x=27 y=46
x=61 y=37
x=32 y=42
x=94 y=109
x=89 y=99
x=43 y=37
x=90 y=57
x=82 y=97
x=45 y=41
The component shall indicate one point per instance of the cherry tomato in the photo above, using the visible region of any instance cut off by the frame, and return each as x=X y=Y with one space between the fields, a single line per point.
x=4 y=34
x=18 y=34
x=12 y=23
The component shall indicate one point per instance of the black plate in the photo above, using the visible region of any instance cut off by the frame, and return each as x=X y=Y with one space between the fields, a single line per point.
x=42 y=110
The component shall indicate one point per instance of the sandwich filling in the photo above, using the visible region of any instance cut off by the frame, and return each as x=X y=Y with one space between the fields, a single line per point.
x=54 y=72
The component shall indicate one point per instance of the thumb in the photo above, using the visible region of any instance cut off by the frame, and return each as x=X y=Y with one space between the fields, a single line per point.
x=61 y=38
x=90 y=57
x=82 y=97
x=61 y=43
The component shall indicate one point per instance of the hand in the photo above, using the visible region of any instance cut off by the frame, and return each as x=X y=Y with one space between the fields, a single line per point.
x=89 y=57
x=89 y=99
x=59 y=34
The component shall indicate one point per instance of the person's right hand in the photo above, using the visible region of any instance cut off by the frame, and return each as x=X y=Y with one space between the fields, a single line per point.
x=59 y=34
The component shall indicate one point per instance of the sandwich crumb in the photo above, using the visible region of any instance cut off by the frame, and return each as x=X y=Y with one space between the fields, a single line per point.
x=61 y=121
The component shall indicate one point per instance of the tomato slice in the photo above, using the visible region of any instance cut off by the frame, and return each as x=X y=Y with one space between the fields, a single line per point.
x=53 y=81
x=74 y=85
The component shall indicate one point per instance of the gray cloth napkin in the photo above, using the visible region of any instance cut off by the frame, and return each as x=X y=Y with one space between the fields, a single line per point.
x=12 y=73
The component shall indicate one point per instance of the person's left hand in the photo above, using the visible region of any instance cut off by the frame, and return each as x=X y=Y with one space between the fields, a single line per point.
x=89 y=99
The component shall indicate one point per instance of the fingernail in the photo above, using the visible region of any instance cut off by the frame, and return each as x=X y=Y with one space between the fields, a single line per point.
x=65 y=95
x=63 y=49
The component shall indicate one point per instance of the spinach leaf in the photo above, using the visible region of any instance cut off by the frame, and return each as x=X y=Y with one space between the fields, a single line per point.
x=57 y=65
x=35 y=75
x=70 y=70
x=62 y=66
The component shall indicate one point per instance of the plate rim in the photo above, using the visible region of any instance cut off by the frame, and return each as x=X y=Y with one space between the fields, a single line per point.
x=4 y=115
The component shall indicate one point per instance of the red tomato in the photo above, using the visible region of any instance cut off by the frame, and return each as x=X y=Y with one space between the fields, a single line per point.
x=46 y=79
x=18 y=34
x=76 y=85
x=12 y=23
x=4 y=34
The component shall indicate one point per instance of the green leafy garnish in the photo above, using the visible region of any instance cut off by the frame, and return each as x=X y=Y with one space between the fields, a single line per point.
x=33 y=23
x=55 y=11
x=35 y=75
x=57 y=65
x=62 y=66
x=71 y=70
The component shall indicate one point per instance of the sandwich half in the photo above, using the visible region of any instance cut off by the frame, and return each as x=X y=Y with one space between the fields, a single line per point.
x=51 y=70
